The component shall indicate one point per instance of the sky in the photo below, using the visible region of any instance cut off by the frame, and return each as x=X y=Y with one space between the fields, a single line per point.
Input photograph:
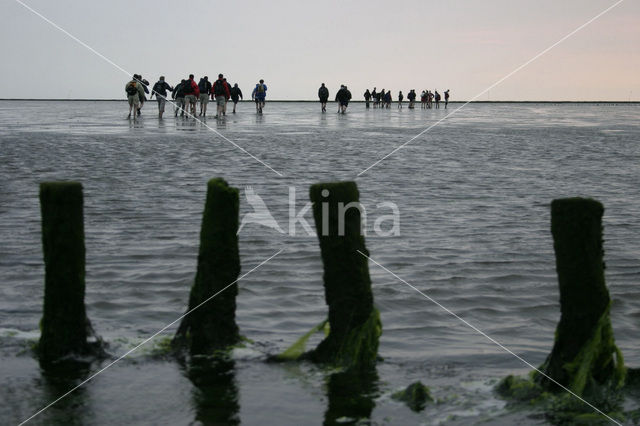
x=462 y=45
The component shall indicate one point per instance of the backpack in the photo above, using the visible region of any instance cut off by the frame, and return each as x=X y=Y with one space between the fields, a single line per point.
x=132 y=88
x=218 y=88
x=260 y=88
x=188 y=88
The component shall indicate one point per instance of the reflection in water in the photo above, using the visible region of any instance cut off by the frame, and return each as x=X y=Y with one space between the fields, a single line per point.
x=58 y=380
x=351 y=396
x=216 y=394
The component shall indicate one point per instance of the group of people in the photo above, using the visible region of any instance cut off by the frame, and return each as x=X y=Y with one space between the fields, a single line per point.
x=187 y=94
x=383 y=98
x=343 y=96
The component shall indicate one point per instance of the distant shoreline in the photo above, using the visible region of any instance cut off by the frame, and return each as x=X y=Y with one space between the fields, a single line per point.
x=353 y=101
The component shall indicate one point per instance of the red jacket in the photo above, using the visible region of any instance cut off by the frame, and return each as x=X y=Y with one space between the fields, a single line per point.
x=196 y=89
x=225 y=86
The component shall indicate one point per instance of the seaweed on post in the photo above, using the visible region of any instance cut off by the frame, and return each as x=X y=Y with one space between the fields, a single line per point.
x=354 y=322
x=212 y=325
x=584 y=353
x=66 y=330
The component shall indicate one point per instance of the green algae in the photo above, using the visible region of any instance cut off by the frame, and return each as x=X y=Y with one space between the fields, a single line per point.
x=357 y=348
x=298 y=348
x=520 y=390
x=211 y=325
x=562 y=408
x=416 y=396
x=65 y=327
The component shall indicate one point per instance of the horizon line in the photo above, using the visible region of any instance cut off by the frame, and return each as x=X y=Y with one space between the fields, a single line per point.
x=352 y=101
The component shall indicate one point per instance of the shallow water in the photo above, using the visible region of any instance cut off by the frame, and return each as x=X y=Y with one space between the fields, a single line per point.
x=473 y=195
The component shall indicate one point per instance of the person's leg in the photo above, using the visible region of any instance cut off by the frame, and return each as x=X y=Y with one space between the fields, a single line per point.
x=130 y=106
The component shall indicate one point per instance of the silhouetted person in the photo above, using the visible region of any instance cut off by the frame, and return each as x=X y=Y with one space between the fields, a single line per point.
x=323 y=95
x=343 y=97
x=160 y=90
x=236 y=95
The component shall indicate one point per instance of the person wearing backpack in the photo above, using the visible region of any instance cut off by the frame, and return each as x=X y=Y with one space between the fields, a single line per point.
x=412 y=98
x=367 y=97
x=204 y=86
x=259 y=94
x=343 y=97
x=400 y=99
x=236 y=95
x=437 y=98
x=191 y=93
x=134 y=91
x=160 y=90
x=323 y=94
x=446 y=98
x=178 y=95
x=220 y=92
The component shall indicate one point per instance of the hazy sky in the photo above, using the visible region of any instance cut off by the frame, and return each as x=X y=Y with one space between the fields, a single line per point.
x=462 y=45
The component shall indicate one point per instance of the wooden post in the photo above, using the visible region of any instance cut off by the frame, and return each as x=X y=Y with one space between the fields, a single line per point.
x=354 y=322
x=584 y=351
x=212 y=326
x=65 y=326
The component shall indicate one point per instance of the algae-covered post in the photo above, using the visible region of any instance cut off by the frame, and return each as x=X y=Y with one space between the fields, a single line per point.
x=354 y=322
x=213 y=326
x=584 y=352
x=65 y=326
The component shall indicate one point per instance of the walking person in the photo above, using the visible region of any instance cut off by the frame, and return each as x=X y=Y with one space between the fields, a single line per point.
x=259 y=94
x=374 y=97
x=387 y=99
x=400 y=98
x=236 y=95
x=226 y=101
x=178 y=95
x=220 y=92
x=412 y=98
x=160 y=91
x=134 y=91
x=423 y=100
x=437 y=98
x=381 y=96
x=367 y=97
x=191 y=93
x=446 y=98
x=343 y=97
x=143 y=96
x=204 y=86
x=323 y=94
